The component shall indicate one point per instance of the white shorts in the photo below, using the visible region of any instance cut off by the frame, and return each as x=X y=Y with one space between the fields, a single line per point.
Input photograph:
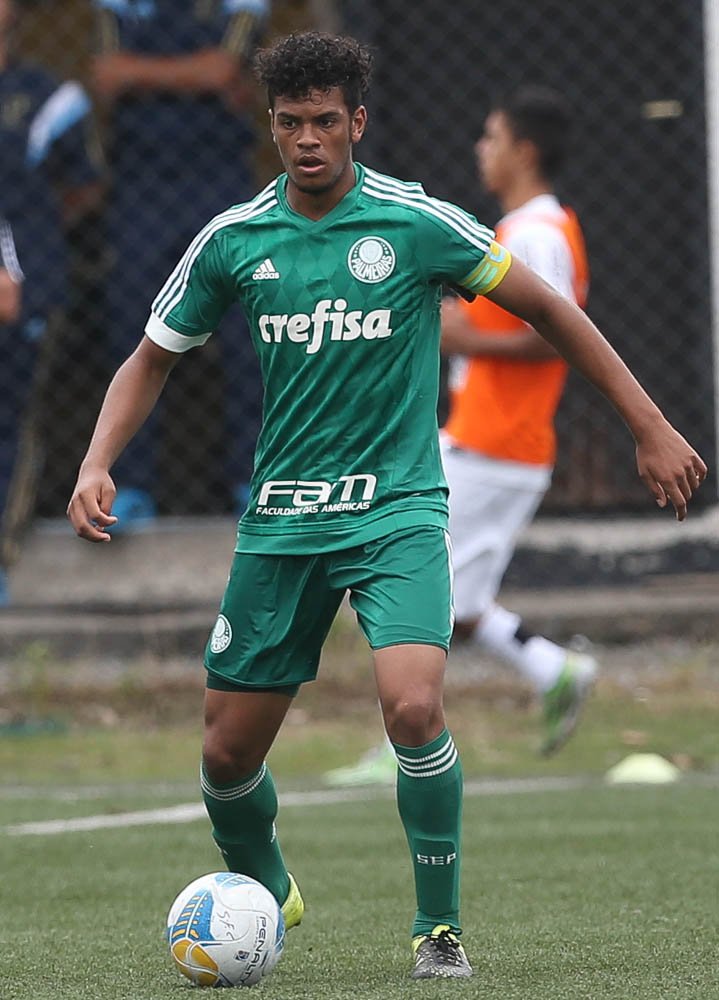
x=490 y=503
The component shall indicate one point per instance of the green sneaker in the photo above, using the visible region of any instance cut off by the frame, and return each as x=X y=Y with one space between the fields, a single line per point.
x=293 y=907
x=377 y=767
x=439 y=955
x=562 y=704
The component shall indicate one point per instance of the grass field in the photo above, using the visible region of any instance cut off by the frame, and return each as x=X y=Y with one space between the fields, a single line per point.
x=139 y=721
x=572 y=890
x=586 y=892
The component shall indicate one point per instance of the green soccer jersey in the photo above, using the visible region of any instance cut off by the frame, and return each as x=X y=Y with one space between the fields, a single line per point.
x=344 y=315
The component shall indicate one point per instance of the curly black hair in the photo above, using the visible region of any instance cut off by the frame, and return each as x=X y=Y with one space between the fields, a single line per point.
x=314 y=60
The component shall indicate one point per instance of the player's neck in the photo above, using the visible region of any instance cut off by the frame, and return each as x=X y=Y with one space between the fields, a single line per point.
x=315 y=205
x=522 y=190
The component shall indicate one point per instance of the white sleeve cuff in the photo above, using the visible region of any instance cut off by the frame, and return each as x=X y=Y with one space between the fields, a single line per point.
x=164 y=336
x=8 y=255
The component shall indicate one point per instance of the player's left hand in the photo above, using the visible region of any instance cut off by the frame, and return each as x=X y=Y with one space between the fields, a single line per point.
x=669 y=467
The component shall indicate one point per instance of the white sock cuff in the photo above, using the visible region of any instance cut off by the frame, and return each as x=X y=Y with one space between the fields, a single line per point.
x=439 y=760
x=497 y=628
x=238 y=791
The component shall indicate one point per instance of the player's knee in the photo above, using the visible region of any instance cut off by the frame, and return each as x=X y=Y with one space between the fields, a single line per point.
x=414 y=721
x=225 y=762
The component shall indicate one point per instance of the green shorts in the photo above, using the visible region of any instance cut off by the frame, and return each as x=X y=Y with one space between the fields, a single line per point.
x=277 y=610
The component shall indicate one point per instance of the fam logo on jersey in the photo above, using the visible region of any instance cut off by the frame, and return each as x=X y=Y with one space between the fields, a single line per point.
x=221 y=635
x=371 y=259
x=316 y=496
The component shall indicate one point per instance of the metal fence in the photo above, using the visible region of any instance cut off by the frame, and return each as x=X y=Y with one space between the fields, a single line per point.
x=637 y=176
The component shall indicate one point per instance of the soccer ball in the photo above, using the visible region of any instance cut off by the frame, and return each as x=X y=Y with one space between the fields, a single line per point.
x=225 y=929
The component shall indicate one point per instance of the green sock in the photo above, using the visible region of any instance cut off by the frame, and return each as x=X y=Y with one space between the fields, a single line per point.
x=243 y=821
x=429 y=798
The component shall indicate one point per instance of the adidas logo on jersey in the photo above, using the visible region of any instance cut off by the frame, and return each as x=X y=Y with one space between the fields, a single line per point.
x=266 y=271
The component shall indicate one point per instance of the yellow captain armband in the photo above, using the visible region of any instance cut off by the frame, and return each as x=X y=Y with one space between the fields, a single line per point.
x=490 y=271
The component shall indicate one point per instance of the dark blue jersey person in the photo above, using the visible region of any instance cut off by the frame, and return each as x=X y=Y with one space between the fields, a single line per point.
x=175 y=75
x=46 y=173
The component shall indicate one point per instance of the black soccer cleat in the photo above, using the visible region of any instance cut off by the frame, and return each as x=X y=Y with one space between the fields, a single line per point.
x=439 y=955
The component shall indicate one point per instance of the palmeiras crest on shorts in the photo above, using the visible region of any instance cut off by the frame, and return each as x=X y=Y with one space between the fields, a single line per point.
x=221 y=635
x=371 y=259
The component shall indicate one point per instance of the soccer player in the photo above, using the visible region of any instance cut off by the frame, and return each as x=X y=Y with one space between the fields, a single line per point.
x=339 y=269
x=498 y=445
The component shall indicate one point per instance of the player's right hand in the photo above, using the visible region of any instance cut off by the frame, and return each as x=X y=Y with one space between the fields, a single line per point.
x=90 y=506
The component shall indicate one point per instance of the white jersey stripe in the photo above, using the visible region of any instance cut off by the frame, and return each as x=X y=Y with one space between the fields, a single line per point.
x=474 y=234
x=177 y=275
x=233 y=209
x=416 y=190
x=480 y=244
x=173 y=290
x=394 y=181
x=450 y=568
x=236 y=213
x=477 y=235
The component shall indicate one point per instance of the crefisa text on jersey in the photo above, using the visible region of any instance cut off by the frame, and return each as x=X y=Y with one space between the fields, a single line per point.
x=310 y=330
x=317 y=496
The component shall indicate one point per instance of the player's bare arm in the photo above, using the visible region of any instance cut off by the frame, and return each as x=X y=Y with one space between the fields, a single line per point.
x=460 y=336
x=667 y=464
x=130 y=398
x=209 y=70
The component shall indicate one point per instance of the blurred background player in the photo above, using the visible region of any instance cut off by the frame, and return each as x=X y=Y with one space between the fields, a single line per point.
x=49 y=177
x=174 y=76
x=499 y=443
x=11 y=278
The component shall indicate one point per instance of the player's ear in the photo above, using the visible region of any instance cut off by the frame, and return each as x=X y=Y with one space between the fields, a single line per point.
x=529 y=153
x=272 y=124
x=359 y=123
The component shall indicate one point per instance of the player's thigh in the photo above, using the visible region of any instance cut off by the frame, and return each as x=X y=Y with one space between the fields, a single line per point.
x=274 y=618
x=401 y=587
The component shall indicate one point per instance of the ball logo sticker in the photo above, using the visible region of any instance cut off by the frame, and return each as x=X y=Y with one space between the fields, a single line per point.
x=371 y=259
x=221 y=635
